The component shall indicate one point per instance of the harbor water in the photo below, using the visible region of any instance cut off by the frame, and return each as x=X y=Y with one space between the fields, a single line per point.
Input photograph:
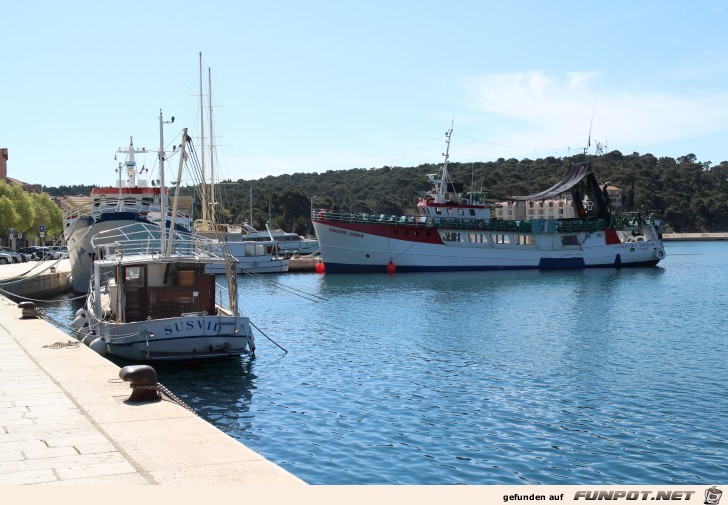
x=610 y=376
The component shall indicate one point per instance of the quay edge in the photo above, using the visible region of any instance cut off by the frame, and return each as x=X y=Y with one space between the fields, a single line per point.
x=65 y=418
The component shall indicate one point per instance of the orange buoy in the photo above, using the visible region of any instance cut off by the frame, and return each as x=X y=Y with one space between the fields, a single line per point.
x=391 y=268
x=320 y=268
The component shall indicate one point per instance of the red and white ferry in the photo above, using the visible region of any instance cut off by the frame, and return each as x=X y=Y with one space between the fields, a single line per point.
x=131 y=201
x=454 y=231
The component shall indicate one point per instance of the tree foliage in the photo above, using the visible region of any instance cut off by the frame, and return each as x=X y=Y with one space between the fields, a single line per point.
x=690 y=195
x=25 y=212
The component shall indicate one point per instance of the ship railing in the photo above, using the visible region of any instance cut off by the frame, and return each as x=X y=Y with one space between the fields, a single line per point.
x=144 y=239
x=576 y=225
x=363 y=217
x=153 y=210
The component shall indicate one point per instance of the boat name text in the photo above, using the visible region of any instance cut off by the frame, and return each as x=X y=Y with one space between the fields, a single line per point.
x=209 y=326
x=346 y=232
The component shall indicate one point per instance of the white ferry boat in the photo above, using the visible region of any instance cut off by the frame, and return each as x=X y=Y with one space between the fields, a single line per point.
x=454 y=231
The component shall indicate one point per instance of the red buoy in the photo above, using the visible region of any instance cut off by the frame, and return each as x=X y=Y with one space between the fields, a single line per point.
x=320 y=268
x=391 y=268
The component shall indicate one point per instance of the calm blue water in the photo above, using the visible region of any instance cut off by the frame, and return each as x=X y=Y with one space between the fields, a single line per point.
x=591 y=377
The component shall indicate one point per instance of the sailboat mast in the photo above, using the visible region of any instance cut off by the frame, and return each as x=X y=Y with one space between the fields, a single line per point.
x=173 y=222
x=162 y=197
x=213 y=203
x=202 y=150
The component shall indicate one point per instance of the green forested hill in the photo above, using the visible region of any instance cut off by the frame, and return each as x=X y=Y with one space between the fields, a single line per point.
x=692 y=196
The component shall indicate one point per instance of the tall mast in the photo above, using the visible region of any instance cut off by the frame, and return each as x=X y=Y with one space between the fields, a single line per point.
x=212 y=140
x=162 y=196
x=441 y=184
x=176 y=194
x=202 y=150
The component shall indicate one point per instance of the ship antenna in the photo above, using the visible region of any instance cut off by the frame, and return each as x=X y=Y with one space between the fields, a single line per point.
x=594 y=107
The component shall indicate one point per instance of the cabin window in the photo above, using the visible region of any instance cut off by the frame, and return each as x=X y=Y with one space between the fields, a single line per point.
x=134 y=276
x=438 y=210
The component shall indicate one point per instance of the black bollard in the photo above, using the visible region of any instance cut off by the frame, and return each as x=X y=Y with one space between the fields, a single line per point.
x=29 y=310
x=143 y=380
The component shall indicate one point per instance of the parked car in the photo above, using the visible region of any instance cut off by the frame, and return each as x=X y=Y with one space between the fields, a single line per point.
x=16 y=258
x=33 y=252
x=50 y=253
x=60 y=251
x=5 y=258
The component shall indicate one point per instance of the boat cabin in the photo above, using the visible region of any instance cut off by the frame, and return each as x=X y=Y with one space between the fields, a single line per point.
x=160 y=290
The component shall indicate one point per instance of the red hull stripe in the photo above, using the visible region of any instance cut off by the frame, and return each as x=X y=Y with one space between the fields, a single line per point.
x=409 y=233
x=125 y=191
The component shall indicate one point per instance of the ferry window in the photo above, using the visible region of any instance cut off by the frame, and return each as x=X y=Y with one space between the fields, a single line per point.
x=461 y=212
x=438 y=210
x=472 y=212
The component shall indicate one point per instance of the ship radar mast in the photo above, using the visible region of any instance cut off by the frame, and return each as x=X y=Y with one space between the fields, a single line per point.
x=130 y=163
x=441 y=185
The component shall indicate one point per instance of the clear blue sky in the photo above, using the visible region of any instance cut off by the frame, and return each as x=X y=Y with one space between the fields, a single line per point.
x=304 y=86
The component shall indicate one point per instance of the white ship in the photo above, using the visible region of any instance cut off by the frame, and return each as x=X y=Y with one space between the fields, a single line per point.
x=454 y=231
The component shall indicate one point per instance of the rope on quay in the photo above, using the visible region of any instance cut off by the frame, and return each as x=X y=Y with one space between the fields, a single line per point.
x=173 y=397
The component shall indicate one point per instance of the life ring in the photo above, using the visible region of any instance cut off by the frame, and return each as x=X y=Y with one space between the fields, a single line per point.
x=660 y=254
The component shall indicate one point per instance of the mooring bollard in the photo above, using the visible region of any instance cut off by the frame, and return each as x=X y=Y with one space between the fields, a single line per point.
x=29 y=310
x=143 y=380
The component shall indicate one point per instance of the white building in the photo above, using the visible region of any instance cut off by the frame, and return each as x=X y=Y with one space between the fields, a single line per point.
x=562 y=208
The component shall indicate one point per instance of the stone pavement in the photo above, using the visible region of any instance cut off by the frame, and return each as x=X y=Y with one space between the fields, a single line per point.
x=65 y=419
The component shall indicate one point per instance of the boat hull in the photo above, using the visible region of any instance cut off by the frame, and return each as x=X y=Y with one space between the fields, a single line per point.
x=363 y=247
x=194 y=337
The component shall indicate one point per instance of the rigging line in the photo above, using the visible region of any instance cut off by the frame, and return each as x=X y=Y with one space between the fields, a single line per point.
x=592 y=118
x=485 y=141
x=266 y=336
x=294 y=291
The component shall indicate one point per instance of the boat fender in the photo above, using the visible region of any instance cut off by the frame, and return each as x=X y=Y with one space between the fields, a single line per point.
x=391 y=267
x=660 y=254
x=79 y=321
x=99 y=345
x=143 y=379
x=88 y=338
